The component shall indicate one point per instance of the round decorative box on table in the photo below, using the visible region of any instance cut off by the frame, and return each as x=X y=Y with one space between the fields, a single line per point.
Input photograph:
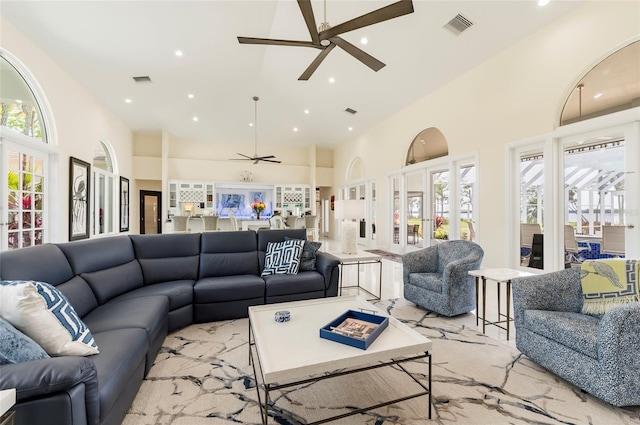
x=282 y=316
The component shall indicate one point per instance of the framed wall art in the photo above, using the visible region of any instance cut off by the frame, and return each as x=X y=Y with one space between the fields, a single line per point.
x=79 y=199
x=124 y=204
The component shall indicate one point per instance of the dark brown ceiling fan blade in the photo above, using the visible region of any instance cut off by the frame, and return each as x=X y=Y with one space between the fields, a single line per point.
x=275 y=161
x=359 y=54
x=276 y=42
x=307 y=13
x=263 y=157
x=316 y=63
x=400 y=8
x=246 y=156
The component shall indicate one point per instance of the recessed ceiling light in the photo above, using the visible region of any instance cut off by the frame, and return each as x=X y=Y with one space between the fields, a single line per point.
x=543 y=2
x=178 y=53
x=295 y=128
x=250 y=124
x=190 y=96
x=597 y=96
x=350 y=128
x=306 y=111
x=18 y=100
x=127 y=100
x=364 y=40
x=195 y=119
x=332 y=80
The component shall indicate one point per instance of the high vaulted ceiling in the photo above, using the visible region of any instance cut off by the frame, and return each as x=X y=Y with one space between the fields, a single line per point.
x=103 y=44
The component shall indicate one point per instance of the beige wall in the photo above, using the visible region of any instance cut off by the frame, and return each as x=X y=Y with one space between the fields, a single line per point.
x=80 y=123
x=210 y=161
x=516 y=94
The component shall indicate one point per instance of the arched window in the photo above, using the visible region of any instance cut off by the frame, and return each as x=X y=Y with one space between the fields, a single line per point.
x=19 y=110
x=430 y=143
x=24 y=166
x=105 y=191
x=612 y=85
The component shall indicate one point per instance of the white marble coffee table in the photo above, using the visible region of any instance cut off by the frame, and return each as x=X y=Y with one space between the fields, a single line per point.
x=292 y=353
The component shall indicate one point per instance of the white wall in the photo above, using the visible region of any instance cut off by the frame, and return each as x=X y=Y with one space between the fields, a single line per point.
x=516 y=94
x=80 y=123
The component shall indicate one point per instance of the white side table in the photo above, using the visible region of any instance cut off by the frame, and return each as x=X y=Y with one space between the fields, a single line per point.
x=361 y=257
x=7 y=400
x=499 y=276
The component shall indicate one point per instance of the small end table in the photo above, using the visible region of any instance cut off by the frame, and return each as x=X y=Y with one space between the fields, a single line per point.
x=358 y=259
x=499 y=276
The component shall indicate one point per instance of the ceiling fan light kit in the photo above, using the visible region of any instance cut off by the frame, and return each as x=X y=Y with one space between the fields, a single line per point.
x=326 y=37
x=255 y=158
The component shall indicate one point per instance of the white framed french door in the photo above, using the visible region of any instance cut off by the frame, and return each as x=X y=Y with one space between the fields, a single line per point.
x=588 y=179
x=23 y=205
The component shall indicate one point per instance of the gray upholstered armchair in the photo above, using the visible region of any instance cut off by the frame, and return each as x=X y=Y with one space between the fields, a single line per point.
x=436 y=278
x=601 y=355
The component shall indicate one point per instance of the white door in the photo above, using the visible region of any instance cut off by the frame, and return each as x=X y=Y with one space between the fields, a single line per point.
x=22 y=201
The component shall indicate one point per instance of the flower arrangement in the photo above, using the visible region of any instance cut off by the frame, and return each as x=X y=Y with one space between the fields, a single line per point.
x=258 y=207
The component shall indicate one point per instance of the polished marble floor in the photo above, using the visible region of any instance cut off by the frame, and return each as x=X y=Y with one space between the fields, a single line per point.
x=392 y=288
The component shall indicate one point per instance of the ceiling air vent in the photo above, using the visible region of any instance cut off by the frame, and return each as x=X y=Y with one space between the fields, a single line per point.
x=142 y=79
x=351 y=111
x=458 y=24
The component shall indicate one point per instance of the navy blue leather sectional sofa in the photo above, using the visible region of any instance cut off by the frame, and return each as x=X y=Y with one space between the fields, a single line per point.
x=131 y=291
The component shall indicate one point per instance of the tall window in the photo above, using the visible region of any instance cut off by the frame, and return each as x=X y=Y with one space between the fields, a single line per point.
x=104 y=189
x=23 y=165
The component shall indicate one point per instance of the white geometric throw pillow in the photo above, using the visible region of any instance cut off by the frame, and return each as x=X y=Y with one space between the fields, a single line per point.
x=42 y=312
x=283 y=257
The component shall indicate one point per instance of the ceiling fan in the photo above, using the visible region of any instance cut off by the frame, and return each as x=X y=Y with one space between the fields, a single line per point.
x=327 y=37
x=255 y=158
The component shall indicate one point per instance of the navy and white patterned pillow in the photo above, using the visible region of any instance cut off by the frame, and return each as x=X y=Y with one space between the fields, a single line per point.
x=283 y=257
x=44 y=314
x=16 y=347
x=308 y=258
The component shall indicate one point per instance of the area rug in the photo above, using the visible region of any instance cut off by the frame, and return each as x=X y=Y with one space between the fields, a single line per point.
x=386 y=255
x=202 y=376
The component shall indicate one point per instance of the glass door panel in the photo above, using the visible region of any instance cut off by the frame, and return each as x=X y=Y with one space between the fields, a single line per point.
x=22 y=222
x=440 y=211
x=467 y=199
x=531 y=209
x=395 y=210
x=595 y=198
x=415 y=209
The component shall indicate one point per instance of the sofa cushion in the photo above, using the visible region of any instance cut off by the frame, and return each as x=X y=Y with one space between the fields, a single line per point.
x=286 y=284
x=429 y=281
x=228 y=254
x=111 y=282
x=117 y=364
x=170 y=257
x=91 y=255
x=607 y=283
x=148 y=313
x=42 y=263
x=308 y=258
x=576 y=331
x=44 y=314
x=228 y=288
x=79 y=294
x=276 y=235
x=16 y=347
x=283 y=257
x=179 y=292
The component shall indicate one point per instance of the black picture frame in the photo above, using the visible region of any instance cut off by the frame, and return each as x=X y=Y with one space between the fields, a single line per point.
x=79 y=199
x=124 y=204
